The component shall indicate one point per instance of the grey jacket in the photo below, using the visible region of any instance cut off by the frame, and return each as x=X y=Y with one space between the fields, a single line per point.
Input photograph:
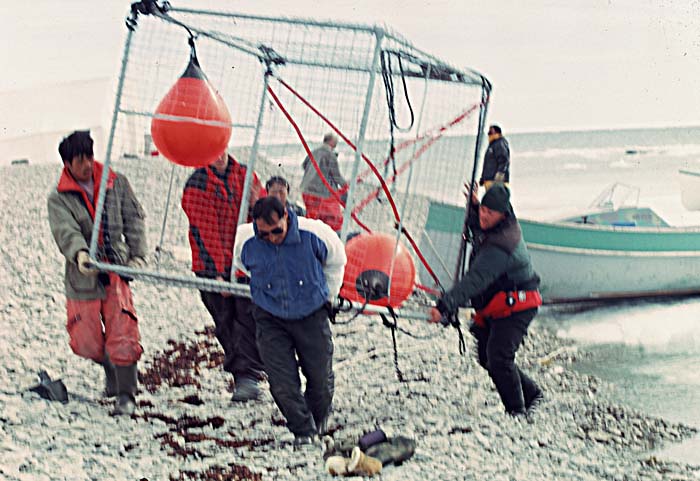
x=71 y=221
x=327 y=161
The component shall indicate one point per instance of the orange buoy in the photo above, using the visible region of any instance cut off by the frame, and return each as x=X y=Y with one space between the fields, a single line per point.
x=368 y=269
x=192 y=140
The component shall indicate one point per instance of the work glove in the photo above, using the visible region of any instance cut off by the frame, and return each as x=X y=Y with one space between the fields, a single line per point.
x=136 y=263
x=85 y=265
x=442 y=314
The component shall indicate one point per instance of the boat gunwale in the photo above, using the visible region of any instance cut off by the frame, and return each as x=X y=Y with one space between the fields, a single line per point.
x=689 y=173
x=609 y=252
x=615 y=228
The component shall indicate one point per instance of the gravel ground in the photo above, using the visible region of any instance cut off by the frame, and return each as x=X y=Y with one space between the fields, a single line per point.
x=186 y=428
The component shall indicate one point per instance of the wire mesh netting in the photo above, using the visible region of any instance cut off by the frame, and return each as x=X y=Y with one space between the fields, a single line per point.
x=286 y=82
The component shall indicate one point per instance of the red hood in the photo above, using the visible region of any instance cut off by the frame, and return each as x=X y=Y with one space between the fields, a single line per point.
x=68 y=184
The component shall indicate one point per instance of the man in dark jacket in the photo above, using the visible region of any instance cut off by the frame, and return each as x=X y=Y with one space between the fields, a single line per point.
x=502 y=286
x=277 y=186
x=211 y=200
x=496 y=160
x=296 y=268
x=102 y=322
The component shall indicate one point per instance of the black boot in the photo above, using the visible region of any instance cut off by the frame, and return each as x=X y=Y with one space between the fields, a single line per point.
x=111 y=388
x=126 y=399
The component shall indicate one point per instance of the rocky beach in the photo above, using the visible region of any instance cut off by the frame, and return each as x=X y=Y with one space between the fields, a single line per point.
x=186 y=427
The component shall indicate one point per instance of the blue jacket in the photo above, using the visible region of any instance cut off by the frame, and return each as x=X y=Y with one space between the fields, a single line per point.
x=295 y=278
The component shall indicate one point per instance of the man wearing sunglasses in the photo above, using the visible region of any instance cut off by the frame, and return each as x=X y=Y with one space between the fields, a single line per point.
x=296 y=268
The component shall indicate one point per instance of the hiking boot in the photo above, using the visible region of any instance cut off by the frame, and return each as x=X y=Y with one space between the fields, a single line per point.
x=111 y=388
x=536 y=401
x=301 y=441
x=363 y=465
x=245 y=389
x=125 y=405
x=396 y=450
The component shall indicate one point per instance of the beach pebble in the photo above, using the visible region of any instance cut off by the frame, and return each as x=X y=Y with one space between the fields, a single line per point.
x=449 y=405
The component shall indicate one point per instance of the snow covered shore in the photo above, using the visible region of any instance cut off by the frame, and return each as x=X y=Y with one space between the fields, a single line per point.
x=192 y=431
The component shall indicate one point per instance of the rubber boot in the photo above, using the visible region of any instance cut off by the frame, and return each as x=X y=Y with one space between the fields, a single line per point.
x=126 y=399
x=363 y=465
x=111 y=389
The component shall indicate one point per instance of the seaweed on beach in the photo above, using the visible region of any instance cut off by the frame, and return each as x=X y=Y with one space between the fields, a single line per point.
x=232 y=472
x=181 y=362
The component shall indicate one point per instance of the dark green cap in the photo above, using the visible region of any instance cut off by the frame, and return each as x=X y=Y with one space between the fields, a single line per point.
x=497 y=198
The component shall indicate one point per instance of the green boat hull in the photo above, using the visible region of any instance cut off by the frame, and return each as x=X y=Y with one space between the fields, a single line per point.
x=578 y=262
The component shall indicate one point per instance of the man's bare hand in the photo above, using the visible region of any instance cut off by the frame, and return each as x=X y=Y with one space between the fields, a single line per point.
x=85 y=265
x=223 y=293
x=473 y=192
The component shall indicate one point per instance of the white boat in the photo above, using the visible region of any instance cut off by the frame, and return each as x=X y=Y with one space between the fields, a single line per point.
x=690 y=189
x=586 y=261
x=613 y=252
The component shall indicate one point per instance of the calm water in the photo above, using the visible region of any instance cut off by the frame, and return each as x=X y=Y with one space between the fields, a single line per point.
x=650 y=350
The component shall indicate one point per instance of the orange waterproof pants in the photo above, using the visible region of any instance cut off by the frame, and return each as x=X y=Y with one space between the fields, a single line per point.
x=326 y=209
x=109 y=324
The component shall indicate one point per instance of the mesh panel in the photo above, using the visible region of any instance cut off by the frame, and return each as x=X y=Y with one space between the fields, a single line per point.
x=327 y=66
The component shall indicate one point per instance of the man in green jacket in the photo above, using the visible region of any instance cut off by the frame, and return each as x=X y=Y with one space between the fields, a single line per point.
x=102 y=322
x=501 y=286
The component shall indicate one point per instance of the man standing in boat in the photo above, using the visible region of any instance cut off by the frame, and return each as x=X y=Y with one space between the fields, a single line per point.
x=501 y=286
x=496 y=160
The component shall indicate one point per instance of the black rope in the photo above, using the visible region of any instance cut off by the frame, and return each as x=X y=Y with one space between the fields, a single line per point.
x=392 y=326
x=193 y=48
x=387 y=72
x=145 y=7
x=387 y=76
x=340 y=308
x=453 y=320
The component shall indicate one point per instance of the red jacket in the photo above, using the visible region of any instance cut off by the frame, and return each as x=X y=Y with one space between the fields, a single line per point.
x=212 y=207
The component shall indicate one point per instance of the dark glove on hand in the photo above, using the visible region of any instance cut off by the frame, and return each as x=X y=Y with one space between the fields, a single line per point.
x=332 y=311
x=448 y=316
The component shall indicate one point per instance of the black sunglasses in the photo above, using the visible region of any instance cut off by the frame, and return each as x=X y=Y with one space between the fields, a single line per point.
x=265 y=234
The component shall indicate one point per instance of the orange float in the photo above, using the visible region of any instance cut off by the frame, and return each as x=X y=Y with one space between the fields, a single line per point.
x=369 y=266
x=188 y=141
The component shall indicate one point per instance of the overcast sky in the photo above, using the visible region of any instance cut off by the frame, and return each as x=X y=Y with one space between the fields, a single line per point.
x=564 y=64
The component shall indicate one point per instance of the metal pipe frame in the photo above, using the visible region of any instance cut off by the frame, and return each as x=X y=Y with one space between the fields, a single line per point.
x=108 y=155
x=379 y=36
x=243 y=209
x=474 y=78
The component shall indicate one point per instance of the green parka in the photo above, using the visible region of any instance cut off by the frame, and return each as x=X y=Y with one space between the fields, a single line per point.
x=499 y=262
x=71 y=217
